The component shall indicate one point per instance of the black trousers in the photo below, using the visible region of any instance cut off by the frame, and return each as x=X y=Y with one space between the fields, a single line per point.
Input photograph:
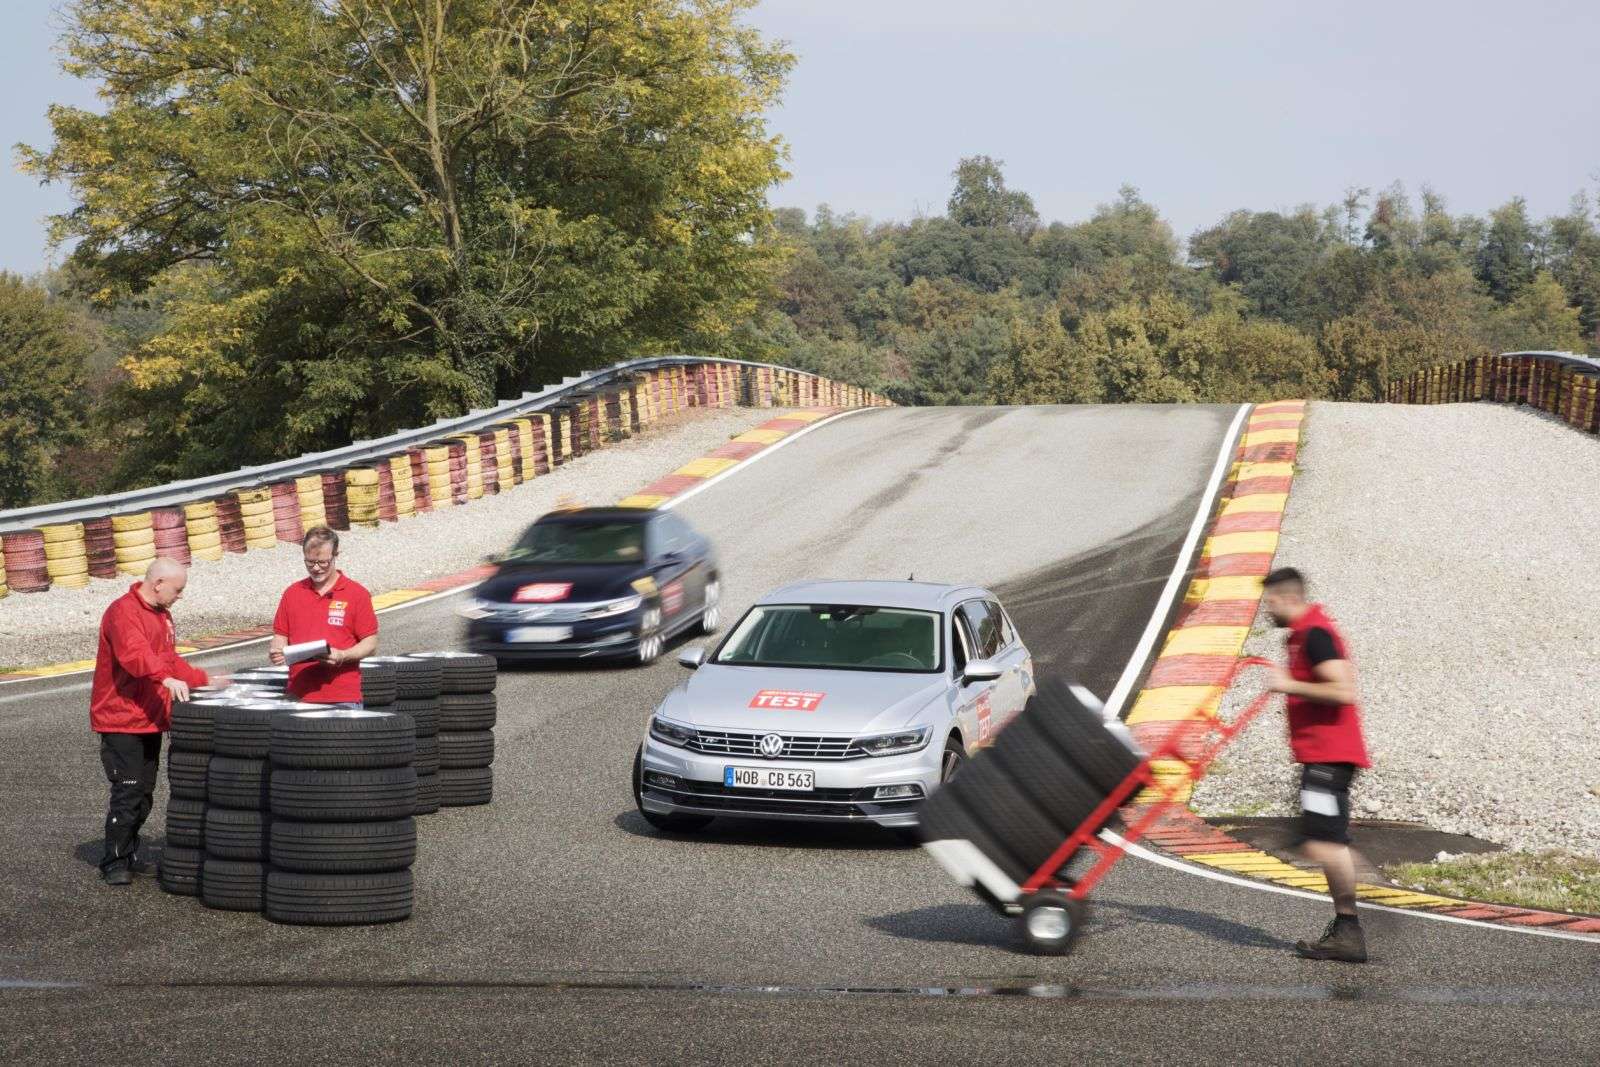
x=132 y=762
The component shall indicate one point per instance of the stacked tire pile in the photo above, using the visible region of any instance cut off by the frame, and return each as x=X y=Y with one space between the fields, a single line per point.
x=342 y=837
x=1020 y=799
x=381 y=691
x=466 y=718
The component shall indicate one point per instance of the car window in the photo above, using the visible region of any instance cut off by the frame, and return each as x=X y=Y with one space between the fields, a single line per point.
x=960 y=643
x=1008 y=636
x=984 y=627
x=671 y=534
x=835 y=637
x=579 y=542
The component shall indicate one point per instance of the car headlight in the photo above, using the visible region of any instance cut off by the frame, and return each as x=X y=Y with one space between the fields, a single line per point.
x=614 y=607
x=671 y=733
x=475 y=609
x=894 y=744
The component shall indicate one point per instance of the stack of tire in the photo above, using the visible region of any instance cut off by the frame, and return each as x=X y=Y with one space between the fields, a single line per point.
x=412 y=685
x=25 y=562
x=466 y=717
x=1021 y=798
x=237 y=815
x=342 y=837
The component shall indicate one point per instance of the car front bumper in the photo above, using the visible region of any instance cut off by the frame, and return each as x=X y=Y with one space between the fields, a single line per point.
x=590 y=639
x=843 y=794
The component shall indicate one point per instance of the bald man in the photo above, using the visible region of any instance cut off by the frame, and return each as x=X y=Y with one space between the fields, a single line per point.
x=137 y=675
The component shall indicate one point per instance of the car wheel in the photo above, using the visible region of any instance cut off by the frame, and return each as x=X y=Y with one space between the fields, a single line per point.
x=711 y=616
x=954 y=756
x=669 y=823
x=650 y=639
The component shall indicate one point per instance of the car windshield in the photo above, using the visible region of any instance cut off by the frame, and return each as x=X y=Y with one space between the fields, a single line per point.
x=580 y=542
x=835 y=637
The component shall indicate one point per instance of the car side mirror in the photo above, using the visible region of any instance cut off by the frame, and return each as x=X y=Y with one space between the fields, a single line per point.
x=692 y=657
x=980 y=670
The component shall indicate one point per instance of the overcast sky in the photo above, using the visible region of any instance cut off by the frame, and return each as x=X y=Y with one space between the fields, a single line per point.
x=1206 y=107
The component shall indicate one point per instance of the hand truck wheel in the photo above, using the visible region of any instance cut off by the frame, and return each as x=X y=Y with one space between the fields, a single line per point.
x=1050 y=922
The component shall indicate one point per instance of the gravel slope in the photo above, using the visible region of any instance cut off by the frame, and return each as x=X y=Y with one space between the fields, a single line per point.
x=242 y=590
x=1456 y=545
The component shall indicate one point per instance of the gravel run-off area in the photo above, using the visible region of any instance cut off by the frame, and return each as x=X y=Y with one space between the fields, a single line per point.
x=240 y=591
x=1456 y=545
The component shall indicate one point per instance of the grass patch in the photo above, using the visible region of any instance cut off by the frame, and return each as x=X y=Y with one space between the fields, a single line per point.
x=1553 y=881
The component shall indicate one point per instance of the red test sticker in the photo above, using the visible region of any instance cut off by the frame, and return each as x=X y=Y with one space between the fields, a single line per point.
x=786 y=700
x=542 y=592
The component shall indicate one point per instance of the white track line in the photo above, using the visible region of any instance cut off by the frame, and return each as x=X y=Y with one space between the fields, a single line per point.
x=431 y=597
x=1180 y=568
x=1267 y=887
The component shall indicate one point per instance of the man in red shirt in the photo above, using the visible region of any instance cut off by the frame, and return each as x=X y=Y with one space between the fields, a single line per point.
x=137 y=674
x=1325 y=737
x=329 y=607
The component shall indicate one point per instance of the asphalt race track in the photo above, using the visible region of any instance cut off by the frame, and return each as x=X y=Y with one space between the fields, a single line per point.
x=555 y=926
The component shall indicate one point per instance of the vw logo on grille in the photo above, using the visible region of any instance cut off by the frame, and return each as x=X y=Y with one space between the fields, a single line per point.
x=771 y=745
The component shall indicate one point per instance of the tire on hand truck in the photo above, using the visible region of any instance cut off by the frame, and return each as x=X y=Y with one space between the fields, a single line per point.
x=1051 y=922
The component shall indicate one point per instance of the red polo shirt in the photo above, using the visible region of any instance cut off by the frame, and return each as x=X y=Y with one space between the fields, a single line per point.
x=343 y=617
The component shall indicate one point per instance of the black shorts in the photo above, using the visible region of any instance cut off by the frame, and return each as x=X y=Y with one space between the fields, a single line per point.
x=1325 y=801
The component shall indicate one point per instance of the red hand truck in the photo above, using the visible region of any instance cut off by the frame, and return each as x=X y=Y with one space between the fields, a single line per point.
x=1051 y=907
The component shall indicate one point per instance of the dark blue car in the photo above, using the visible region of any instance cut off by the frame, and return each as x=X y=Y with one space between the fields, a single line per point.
x=614 y=583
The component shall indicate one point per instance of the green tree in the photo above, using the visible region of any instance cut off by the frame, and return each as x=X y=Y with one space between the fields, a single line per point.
x=1044 y=365
x=42 y=354
x=1506 y=258
x=981 y=199
x=370 y=212
x=1538 y=318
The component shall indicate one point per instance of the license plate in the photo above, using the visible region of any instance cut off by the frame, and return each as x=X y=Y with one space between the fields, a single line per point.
x=537 y=634
x=768 y=778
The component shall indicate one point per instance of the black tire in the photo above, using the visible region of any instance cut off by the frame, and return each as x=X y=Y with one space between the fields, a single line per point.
x=377 y=683
x=465 y=787
x=464 y=672
x=344 y=796
x=425 y=713
x=427 y=794
x=244 y=731
x=339 y=738
x=191 y=726
x=343 y=847
x=232 y=782
x=180 y=870
x=1055 y=783
x=672 y=824
x=338 y=899
x=1050 y=922
x=467 y=711
x=1012 y=818
x=418 y=679
x=236 y=834
x=234 y=885
x=186 y=822
x=427 y=758
x=186 y=773
x=1080 y=734
x=461 y=751
x=948 y=815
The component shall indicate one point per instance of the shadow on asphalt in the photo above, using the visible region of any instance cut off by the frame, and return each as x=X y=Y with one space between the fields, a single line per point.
x=772 y=835
x=1113 y=914
x=976 y=924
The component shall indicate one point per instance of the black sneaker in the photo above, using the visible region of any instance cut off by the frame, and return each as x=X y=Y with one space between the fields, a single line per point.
x=118 y=875
x=1342 y=941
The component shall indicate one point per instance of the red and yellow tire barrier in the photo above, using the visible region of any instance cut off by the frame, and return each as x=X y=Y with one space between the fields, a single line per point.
x=1547 y=384
x=313 y=509
x=418 y=462
x=1206 y=639
x=172 y=536
x=256 y=517
x=134 y=537
x=437 y=460
x=25 y=561
x=336 y=499
x=66 y=560
x=405 y=491
x=361 y=496
x=230 y=523
x=100 y=547
x=202 y=529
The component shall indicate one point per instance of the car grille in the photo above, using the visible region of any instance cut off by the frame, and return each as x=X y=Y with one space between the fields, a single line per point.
x=818 y=803
x=537 y=613
x=795 y=746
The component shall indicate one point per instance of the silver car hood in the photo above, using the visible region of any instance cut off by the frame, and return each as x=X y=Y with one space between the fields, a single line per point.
x=719 y=697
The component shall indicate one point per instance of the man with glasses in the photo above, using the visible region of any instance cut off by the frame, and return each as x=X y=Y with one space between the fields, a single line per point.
x=326 y=606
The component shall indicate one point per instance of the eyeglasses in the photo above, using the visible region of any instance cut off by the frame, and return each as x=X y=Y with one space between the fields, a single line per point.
x=318 y=564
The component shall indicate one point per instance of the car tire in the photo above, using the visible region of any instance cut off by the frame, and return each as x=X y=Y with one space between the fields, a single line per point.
x=467 y=711
x=427 y=794
x=427 y=761
x=1080 y=735
x=243 y=732
x=300 y=899
x=186 y=773
x=191 y=726
x=1055 y=784
x=344 y=796
x=1013 y=818
x=467 y=750
x=343 y=847
x=377 y=684
x=464 y=672
x=1050 y=922
x=711 y=614
x=232 y=782
x=338 y=739
x=180 y=870
x=186 y=822
x=672 y=824
x=235 y=834
x=651 y=636
x=424 y=713
x=465 y=787
x=233 y=885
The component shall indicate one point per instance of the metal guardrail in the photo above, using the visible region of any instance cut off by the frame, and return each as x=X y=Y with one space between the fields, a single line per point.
x=354 y=454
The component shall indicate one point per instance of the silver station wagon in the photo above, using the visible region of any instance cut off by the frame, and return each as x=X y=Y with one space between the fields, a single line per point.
x=833 y=702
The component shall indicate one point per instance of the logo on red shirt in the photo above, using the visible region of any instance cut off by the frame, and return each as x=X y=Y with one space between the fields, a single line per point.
x=787 y=700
